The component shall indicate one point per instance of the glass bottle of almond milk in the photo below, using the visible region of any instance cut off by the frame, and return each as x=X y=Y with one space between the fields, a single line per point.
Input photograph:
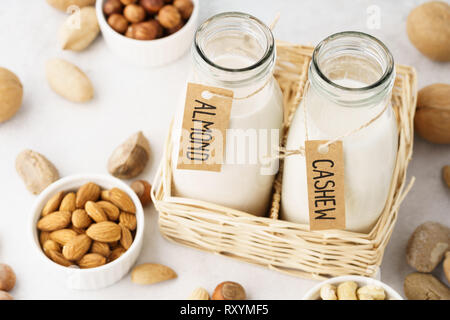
x=351 y=76
x=236 y=51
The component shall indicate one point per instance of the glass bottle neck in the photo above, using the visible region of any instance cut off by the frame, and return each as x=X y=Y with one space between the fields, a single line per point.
x=233 y=50
x=352 y=69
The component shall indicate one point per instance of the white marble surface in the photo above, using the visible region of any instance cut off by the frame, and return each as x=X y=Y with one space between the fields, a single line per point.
x=80 y=138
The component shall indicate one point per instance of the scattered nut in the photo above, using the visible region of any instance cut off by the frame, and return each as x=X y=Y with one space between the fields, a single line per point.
x=80 y=37
x=142 y=189
x=7 y=277
x=328 y=292
x=112 y=6
x=11 y=93
x=36 y=171
x=134 y=13
x=229 y=290
x=427 y=246
x=199 y=294
x=428 y=27
x=422 y=286
x=68 y=81
x=130 y=158
x=432 y=119
x=118 y=22
x=169 y=16
x=446 y=266
x=446 y=175
x=185 y=7
x=150 y=273
x=152 y=6
x=5 y=296
x=347 y=290
x=65 y=4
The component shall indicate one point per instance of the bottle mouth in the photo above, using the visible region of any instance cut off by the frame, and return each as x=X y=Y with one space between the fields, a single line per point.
x=356 y=57
x=234 y=45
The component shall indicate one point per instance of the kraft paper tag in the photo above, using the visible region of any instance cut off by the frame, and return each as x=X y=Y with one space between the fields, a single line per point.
x=325 y=179
x=205 y=122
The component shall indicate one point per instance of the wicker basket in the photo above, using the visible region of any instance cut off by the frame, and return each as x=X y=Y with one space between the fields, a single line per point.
x=281 y=245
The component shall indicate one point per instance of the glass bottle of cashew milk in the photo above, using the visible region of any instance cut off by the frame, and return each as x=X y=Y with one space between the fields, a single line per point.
x=236 y=51
x=351 y=76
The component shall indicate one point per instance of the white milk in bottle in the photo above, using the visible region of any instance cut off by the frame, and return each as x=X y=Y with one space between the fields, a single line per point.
x=236 y=51
x=350 y=82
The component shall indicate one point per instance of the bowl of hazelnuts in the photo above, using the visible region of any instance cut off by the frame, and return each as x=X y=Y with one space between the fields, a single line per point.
x=148 y=32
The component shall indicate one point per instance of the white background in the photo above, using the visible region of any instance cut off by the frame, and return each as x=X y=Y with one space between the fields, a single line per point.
x=79 y=138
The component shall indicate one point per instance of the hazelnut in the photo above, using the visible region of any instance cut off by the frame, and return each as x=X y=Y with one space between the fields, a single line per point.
x=130 y=31
x=152 y=6
x=5 y=296
x=169 y=16
x=127 y=2
x=134 y=13
x=158 y=27
x=185 y=7
x=142 y=189
x=118 y=22
x=112 y=6
x=145 y=31
x=175 y=29
x=229 y=290
x=7 y=277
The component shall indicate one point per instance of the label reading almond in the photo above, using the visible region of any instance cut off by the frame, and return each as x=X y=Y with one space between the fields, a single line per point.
x=325 y=180
x=205 y=122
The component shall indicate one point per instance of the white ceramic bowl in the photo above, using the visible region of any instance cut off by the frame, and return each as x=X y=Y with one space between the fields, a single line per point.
x=95 y=278
x=314 y=292
x=149 y=53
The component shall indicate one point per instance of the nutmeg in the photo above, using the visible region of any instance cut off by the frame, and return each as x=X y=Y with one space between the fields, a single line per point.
x=185 y=7
x=134 y=13
x=229 y=290
x=169 y=16
x=152 y=6
x=112 y=6
x=118 y=22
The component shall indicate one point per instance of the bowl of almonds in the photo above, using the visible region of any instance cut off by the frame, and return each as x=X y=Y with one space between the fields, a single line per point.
x=148 y=32
x=89 y=229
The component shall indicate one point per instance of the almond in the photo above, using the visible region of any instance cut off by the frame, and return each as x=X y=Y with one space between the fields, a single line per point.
x=95 y=212
x=54 y=221
x=52 y=205
x=116 y=253
x=51 y=245
x=44 y=236
x=149 y=273
x=121 y=199
x=59 y=258
x=78 y=230
x=199 y=294
x=128 y=220
x=111 y=210
x=100 y=248
x=105 y=231
x=77 y=247
x=126 y=240
x=80 y=219
x=87 y=192
x=91 y=260
x=68 y=203
x=63 y=236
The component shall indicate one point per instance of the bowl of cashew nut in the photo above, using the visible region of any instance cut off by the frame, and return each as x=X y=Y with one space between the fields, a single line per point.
x=351 y=288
